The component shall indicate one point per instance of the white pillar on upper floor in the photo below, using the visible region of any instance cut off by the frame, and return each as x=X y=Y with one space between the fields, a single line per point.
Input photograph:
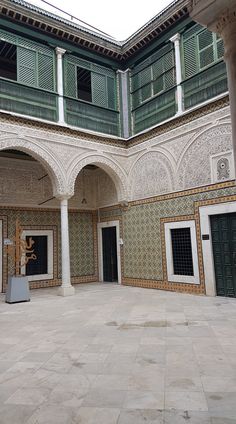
x=220 y=17
x=66 y=289
x=176 y=40
x=60 y=52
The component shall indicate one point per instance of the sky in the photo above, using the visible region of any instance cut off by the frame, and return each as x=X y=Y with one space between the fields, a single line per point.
x=120 y=18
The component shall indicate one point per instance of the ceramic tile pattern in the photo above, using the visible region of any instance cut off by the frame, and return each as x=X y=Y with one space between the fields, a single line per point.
x=118 y=355
x=142 y=237
x=81 y=237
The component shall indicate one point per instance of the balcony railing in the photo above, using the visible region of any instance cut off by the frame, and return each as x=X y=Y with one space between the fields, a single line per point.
x=155 y=111
x=18 y=98
x=91 y=117
x=205 y=85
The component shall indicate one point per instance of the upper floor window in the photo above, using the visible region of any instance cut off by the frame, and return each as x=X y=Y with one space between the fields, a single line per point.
x=201 y=48
x=89 y=82
x=155 y=78
x=8 y=66
x=27 y=62
x=84 y=88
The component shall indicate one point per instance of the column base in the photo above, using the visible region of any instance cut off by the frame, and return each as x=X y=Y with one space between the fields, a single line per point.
x=66 y=291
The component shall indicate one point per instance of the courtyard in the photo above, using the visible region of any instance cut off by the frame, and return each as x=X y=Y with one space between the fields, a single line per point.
x=118 y=355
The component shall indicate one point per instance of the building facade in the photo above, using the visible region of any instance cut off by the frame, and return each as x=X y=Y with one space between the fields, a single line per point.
x=117 y=158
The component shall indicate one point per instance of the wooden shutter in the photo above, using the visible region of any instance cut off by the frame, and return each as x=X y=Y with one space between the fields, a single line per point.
x=70 y=80
x=46 y=71
x=111 y=93
x=190 y=57
x=99 y=95
x=26 y=66
x=206 y=48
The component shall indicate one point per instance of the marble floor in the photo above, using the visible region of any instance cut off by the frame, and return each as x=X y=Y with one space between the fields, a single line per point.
x=118 y=355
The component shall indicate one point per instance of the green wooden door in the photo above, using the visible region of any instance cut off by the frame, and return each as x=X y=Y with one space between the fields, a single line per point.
x=223 y=230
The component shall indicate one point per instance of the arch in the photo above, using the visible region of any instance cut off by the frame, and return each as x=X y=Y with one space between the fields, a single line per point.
x=111 y=167
x=43 y=156
x=194 y=164
x=151 y=174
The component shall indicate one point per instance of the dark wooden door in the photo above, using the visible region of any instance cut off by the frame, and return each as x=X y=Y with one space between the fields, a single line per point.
x=109 y=251
x=223 y=229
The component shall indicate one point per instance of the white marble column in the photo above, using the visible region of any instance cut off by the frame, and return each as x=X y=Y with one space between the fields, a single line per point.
x=60 y=52
x=66 y=289
x=176 y=40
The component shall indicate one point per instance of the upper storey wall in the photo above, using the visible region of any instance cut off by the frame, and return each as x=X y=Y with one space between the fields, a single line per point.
x=74 y=87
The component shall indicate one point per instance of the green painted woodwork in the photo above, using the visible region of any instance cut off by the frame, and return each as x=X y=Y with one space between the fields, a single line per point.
x=201 y=49
x=152 y=94
x=223 y=230
x=103 y=82
x=35 y=62
x=29 y=33
x=15 y=97
x=86 y=115
x=154 y=76
x=205 y=85
x=157 y=110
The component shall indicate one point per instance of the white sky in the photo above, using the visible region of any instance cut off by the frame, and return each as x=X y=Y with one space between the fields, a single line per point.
x=120 y=18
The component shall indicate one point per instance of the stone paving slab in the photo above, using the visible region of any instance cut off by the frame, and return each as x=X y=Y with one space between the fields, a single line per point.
x=118 y=355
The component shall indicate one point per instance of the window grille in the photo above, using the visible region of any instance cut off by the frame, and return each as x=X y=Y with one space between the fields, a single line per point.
x=182 y=251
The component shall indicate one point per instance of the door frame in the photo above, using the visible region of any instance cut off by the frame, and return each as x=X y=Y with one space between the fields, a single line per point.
x=100 y=226
x=207 y=249
x=1 y=255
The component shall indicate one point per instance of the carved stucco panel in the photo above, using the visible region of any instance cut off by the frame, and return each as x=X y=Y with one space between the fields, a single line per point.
x=151 y=175
x=194 y=168
x=45 y=157
x=110 y=166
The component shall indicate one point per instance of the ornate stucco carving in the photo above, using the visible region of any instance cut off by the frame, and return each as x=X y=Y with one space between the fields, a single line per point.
x=112 y=168
x=39 y=152
x=194 y=166
x=151 y=174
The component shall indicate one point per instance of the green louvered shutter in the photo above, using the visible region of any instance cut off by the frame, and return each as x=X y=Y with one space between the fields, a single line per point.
x=99 y=96
x=26 y=66
x=111 y=93
x=220 y=47
x=190 y=57
x=70 y=80
x=206 y=48
x=46 y=72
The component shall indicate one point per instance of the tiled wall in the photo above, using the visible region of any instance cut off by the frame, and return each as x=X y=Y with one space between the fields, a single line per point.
x=143 y=252
x=82 y=240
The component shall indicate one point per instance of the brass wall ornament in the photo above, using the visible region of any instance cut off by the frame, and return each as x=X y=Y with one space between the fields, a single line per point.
x=20 y=250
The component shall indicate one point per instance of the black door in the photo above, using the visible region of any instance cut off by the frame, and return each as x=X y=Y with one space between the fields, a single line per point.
x=223 y=229
x=109 y=252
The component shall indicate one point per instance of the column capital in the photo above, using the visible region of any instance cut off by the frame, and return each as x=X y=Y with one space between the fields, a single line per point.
x=59 y=51
x=175 y=38
x=63 y=196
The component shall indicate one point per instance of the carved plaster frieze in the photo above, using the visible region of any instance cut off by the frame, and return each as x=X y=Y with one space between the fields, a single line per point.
x=152 y=174
x=195 y=164
x=109 y=165
x=41 y=154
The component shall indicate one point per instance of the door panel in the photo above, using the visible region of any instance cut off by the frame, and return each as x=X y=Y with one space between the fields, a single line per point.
x=109 y=251
x=223 y=229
